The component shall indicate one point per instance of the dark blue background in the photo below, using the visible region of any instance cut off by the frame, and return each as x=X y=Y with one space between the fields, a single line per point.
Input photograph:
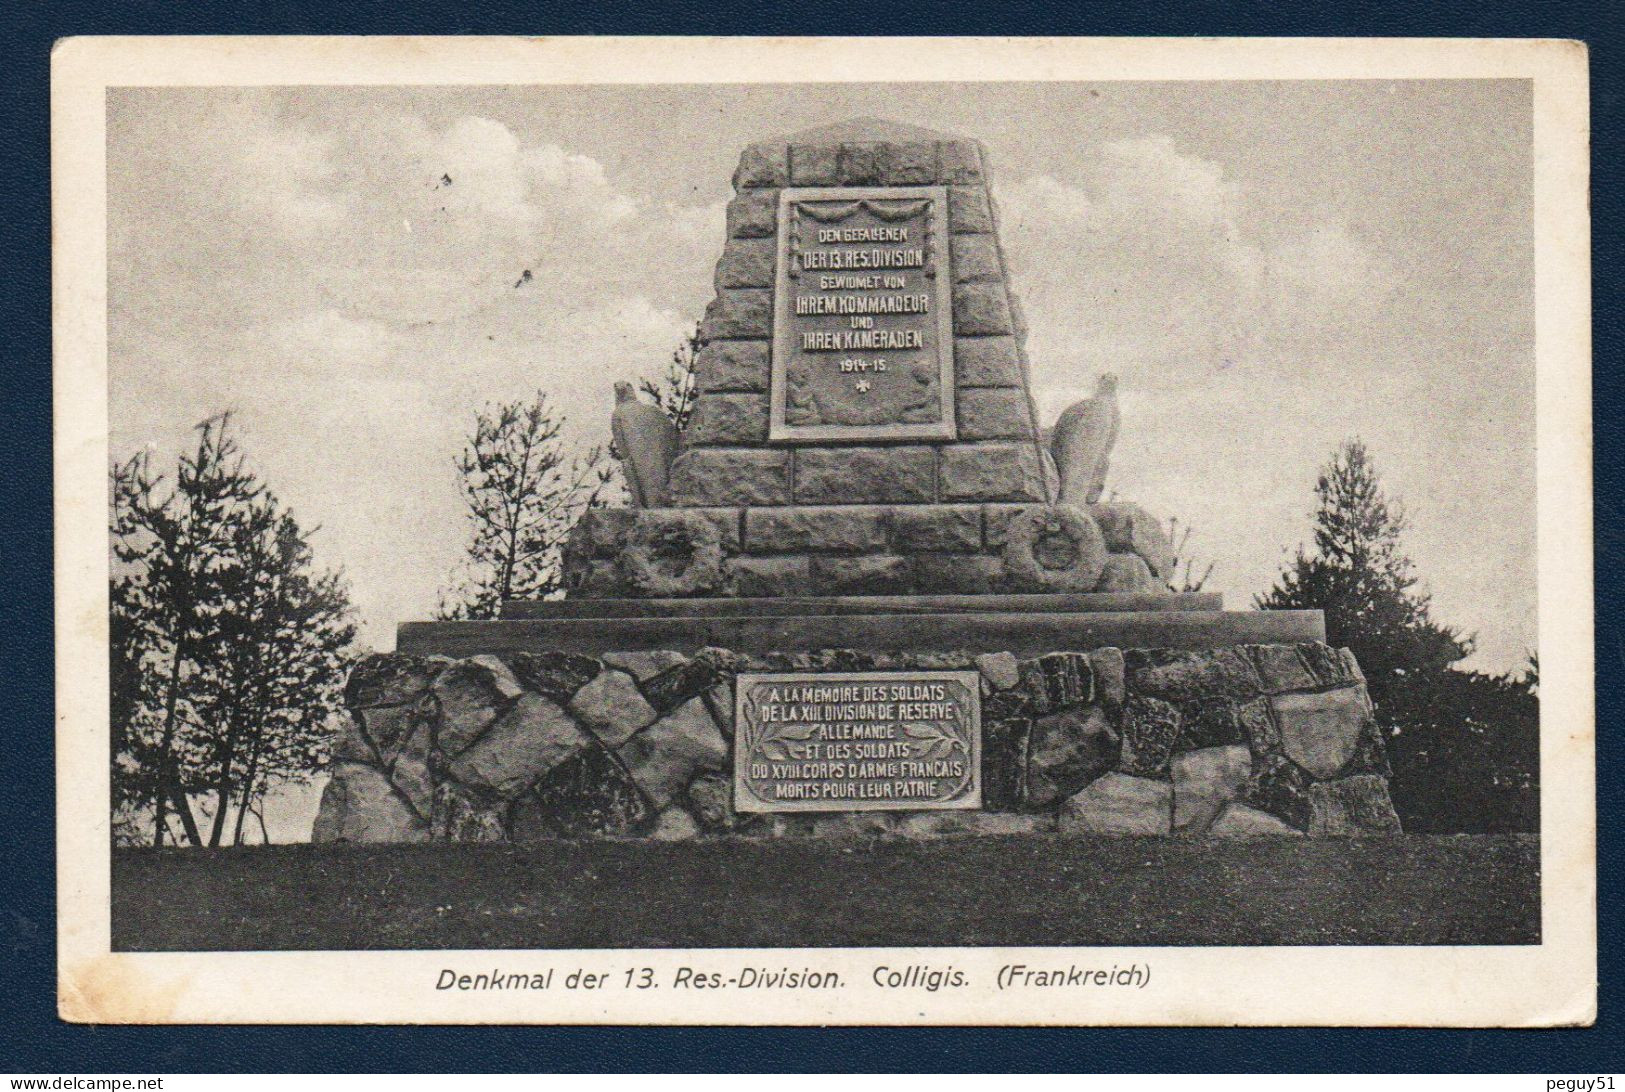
x=31 y=1038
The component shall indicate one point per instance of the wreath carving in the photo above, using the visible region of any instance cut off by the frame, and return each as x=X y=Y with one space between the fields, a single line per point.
x=1054 y=549
x=672 y=554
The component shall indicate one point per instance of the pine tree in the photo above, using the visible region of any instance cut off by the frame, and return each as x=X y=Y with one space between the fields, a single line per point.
x=1364 y=583
x=227 y=651
x=1464 y=744
x=524 y=492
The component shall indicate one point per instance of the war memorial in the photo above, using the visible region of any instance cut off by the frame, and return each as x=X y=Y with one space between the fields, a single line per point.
x=865 y=592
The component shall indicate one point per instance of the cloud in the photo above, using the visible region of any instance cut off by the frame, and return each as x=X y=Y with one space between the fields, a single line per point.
x=1138 y=265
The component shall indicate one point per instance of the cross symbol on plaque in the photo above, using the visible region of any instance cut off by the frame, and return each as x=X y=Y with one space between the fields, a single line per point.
x=862 y=386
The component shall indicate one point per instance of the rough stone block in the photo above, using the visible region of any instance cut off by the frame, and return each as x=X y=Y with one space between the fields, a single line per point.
x=987 y=362
x=719 y=702
x=1204 y=782
x=1106 y=664
x=464 y=814
x=1258 y=727
x=710 y=800
x=594 y=579
x=1126 y=573
x=727 y=522
x=859 y=164
x=762 y=165
x=388 y=728
x=994 y=413
x=996 y=522
x=980 y=309
x=976 y=259
x=601 y=532
x=1351 y=807
x=968 y=211
x=1068 y=750
x=739 y=313
x=413 y=779
x=675 y=685
x=1128 y=528
x=589 y=794
x=874 y=574
x=645 y=665
x=1189 y=676
x=612 y=708
x=958 y=574
x=1119 y=804
x=1149 y=726
x=815 y=164
x=390 y=679
x=1280 y=788
x=1057 y=681
x=747 y=263
x=960 y=162
x=664 y=757
x=1327 y=663
x=1005 y=735
x=948 y=824
x=864 y=475
x=674 y=824
x=907 y=163
x=1281 y=669
x=350 y=744
x=1000 y=669
x=754 y=214
x=359 y=805
x=1208 y=722
x=939 y=527
x=800 y=529
x=722 y=419
x=769 y=577
x=1237 y=820
x=991 y=472
x=733 y=366
x=1320 y=732
x=469 y=694
x=529 y=740
x=727 y=476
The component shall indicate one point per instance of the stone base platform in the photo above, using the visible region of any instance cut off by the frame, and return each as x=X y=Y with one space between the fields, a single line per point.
x=1023 y=625
x=1245 y=741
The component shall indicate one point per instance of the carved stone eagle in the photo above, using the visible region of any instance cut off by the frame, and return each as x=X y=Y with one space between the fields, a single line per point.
x=1082 y=443
x=646 y=443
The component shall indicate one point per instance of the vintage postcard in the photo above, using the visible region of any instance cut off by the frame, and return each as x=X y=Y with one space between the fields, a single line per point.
x=824 y=531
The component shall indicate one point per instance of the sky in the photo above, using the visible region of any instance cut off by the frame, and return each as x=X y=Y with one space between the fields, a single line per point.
x=1269 y=267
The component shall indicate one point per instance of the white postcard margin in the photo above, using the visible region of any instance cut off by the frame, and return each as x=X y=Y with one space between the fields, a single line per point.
x=1553 y=983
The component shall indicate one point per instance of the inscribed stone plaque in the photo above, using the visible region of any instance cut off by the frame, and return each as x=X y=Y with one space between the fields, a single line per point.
x=862 y=320
x=858 y=741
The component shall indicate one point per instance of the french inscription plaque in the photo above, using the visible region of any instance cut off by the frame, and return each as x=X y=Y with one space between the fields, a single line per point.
x=863 y=323
x=858 y=741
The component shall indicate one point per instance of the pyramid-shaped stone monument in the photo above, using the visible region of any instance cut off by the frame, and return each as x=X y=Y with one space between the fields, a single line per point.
x=864 y=591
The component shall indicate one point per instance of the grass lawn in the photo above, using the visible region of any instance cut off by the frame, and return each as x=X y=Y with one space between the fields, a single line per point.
x=1020 y=890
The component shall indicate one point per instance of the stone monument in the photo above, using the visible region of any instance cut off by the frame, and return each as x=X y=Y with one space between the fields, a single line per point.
x=864 y=592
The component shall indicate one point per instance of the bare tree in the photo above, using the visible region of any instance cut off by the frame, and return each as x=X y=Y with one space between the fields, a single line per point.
x=524 y=490
x=1187 y=581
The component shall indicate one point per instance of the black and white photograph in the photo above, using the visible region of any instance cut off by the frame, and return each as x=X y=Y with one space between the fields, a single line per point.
x=796 y=532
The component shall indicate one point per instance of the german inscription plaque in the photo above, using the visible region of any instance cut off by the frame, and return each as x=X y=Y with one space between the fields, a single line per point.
x=863 y=323
x=858 y=741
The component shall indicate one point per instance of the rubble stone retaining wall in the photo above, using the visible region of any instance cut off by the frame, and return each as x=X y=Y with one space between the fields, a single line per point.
x=1243 y=741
